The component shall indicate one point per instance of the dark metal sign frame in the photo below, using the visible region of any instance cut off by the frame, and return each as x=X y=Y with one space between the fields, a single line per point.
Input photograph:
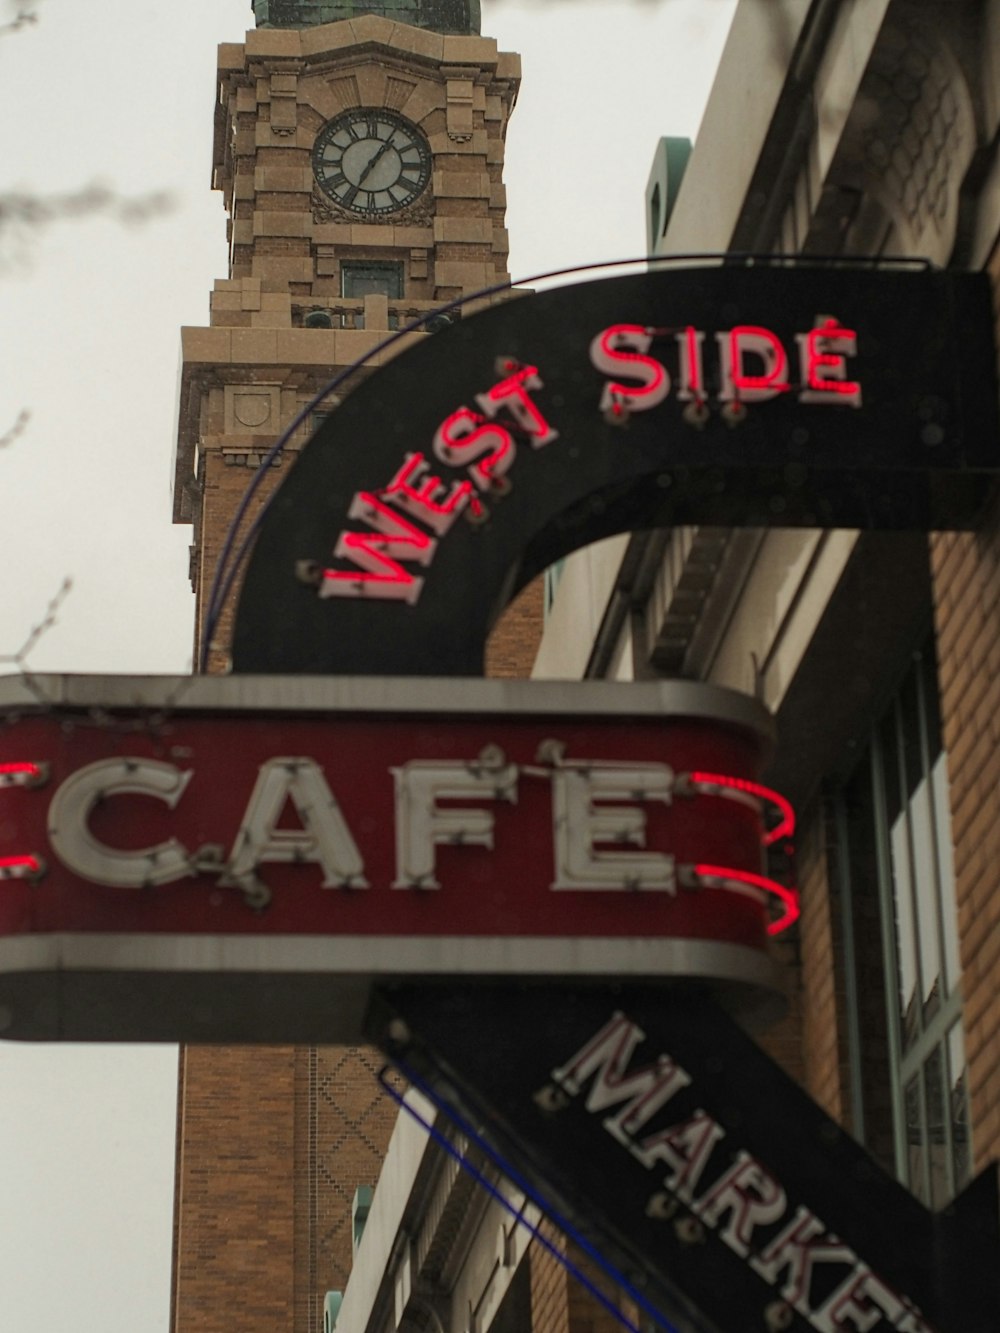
x=707 y=1180
x=730 y=395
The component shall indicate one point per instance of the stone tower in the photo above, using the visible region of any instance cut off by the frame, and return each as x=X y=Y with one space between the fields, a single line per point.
x=359 y=151
x=361 y=165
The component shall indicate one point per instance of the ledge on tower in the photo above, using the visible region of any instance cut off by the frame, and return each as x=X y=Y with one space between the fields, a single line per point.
x=446 y=16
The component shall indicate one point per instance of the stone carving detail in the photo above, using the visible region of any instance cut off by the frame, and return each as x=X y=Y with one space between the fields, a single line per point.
x=397 y=91
x=916 y=132
x=252 y=409
x=420 y=214
x=346 y=90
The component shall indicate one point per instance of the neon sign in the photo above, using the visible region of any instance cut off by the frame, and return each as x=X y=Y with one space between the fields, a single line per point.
x=598 y=826
x=705 y=1182
x=467 y=439
x=327 y=834
x=728 y=395
x=753 y=367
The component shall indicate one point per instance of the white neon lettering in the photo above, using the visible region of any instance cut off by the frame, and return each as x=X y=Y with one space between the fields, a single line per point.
x=859 y=1303
x=803 y=1243
x=685 y=1148
x=579 y=825
x=618 y=351
x=78 y=849
x=605 y=1058
x=324 y=838
x=750 y=1195
x=738 y=1203
x=421 y=824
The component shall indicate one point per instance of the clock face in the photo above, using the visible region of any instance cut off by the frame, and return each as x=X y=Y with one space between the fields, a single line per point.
x=371 y=161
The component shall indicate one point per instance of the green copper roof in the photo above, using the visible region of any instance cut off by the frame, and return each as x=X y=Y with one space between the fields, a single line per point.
x=453 y=16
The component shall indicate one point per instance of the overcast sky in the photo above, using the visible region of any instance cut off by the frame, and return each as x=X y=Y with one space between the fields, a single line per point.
x=120 y=94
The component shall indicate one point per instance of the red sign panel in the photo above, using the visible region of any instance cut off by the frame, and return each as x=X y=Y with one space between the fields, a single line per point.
x=371 y=832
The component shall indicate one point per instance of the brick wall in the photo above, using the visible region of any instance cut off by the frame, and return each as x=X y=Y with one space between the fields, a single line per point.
x=272 y=1144
x=966 y=575
x=824 y=1048
x=549 y=1283
x=233 y=1262
x=966 y=570
x=511 y=648
x=224 y=485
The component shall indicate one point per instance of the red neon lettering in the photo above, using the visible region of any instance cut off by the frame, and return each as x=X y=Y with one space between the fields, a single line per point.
x=723 y=785
x=22 y=774
x=689 y=343
x=618 y=350
x=378 y=556
x=423 y=503
x=510 y=394
x=823 y=350
x=465 y=436
x=751 y=340
x=21 y=867
x=754 y=886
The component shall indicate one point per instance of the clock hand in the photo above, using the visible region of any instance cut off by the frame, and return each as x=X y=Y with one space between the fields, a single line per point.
x=374 y=161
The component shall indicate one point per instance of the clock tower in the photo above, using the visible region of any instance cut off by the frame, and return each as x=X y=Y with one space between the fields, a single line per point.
x=359 y=152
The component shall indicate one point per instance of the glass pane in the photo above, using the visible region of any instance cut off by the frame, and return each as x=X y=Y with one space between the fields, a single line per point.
x=958 y=1103
x=372 y=279
x=915 y=1141
x=946 y=872
x=926 y=894
x=938 y=1155
x=906 y=935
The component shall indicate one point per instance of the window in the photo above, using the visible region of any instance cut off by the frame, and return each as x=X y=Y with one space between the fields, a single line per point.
x=655 y=212
x=371 y=277
x=899 y=891
x=552 y=576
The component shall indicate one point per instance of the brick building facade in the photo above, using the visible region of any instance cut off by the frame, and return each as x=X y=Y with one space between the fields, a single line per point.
x=866 y=129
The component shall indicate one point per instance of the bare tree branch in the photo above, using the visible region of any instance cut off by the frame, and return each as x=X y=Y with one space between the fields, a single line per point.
x=32 y=210
x=20 y=658
x=9 y=436
x=23 y=16
x=23 y=214
x=44 y=625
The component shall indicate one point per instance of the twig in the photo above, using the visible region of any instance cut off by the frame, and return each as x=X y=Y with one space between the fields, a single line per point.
x=18 y=428
x=25 y=15
x=20 y=658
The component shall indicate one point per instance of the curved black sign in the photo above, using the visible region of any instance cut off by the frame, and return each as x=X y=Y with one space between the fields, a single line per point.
x=731 y=395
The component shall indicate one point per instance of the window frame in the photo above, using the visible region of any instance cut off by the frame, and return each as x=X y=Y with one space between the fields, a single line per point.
x=909 y=1060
